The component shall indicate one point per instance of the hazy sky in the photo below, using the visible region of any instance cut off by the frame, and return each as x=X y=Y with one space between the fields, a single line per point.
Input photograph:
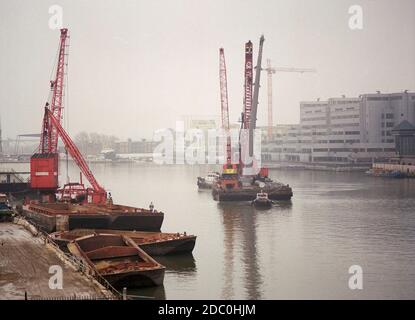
x=136 y=66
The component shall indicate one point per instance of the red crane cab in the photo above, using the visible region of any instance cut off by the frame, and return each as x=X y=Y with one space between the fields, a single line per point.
x=44 y=171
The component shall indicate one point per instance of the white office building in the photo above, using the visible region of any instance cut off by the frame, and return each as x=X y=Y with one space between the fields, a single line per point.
x=342 y=130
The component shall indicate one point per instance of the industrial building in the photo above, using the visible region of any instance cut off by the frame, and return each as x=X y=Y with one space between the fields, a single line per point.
x=342 y=130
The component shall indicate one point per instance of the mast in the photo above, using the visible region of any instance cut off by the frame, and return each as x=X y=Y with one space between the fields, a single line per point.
x=224 y=104
x=248 y=85
x=252 y=123
x=49 y=137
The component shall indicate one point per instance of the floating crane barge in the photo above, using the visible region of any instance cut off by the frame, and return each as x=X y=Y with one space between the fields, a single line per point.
x=275 y=191
x=241 y=181
x=74 y=205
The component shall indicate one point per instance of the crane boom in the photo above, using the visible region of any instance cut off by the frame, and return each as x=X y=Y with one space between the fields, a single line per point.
x=224 y=104
x=270 y=71
x=288 y=69
x=44 y=165
x=252 y=122
x=74 y=152
x=248 y=86
x=49 y=142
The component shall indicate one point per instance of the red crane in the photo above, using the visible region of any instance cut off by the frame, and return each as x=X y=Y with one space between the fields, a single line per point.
x=49 y=142
x=44 y=164
x=95 y=195
x=224 y=106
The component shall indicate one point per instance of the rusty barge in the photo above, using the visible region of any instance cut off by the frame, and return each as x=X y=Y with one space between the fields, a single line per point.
x=153 y=243
x=119 y=260
x=52 y=217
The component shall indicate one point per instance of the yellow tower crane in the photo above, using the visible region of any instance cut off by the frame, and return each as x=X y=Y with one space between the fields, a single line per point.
x=270 y=71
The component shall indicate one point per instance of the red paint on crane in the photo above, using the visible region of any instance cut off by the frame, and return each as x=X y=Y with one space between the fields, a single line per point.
x=224 y=106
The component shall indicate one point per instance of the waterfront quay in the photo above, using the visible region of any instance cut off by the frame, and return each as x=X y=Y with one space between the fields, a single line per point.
x=25 y=262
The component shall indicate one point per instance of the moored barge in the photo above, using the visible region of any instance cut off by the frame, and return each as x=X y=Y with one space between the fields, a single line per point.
x=275 y=191
x=118 y=260
x=52 y=217
x=153 y=243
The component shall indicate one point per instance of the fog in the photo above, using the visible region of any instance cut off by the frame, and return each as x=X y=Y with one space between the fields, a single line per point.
x=137 y=66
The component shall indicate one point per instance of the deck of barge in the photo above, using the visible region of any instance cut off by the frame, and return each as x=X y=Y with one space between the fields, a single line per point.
x=24 y=267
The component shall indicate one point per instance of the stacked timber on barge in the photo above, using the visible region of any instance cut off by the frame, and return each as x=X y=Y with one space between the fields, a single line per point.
x=153 y=243
x=67 y=216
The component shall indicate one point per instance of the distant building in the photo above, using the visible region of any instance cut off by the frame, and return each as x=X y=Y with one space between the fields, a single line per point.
x=130 y=146
x=405 y=141
x=343 y=130
x=200 y=122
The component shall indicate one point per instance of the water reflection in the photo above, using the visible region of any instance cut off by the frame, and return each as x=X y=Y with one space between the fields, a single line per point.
x=180 y=263
x=156 y=293
x=239 y=221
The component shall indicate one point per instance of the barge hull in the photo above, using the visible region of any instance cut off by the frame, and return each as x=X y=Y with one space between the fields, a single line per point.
x=50 y=217
x=117 y=222
x=153 y=243
x=139 y=279
x=169 y=247
x=245 y=195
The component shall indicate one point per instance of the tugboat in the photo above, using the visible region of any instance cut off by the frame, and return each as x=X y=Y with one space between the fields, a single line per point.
x=262 y=201
x=208 y=181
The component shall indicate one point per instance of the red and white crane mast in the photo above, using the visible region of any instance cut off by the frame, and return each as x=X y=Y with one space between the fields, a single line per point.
x=248 y=85
x=224 y=105
x=49 y=137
